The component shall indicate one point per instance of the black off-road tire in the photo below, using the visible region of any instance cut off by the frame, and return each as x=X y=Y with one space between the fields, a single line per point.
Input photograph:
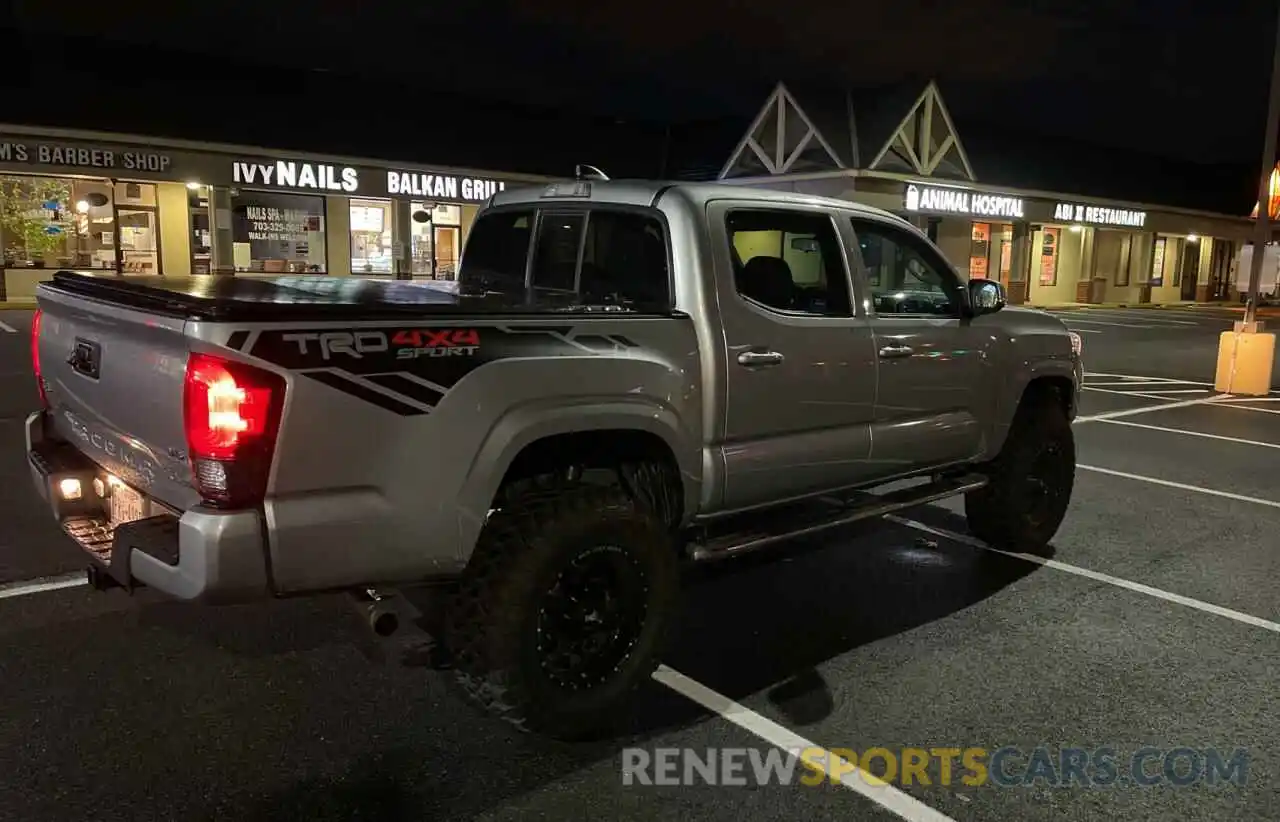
x=1031 y=481
x=495 y=622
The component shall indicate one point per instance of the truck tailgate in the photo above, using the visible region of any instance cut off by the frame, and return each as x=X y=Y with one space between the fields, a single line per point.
x=114 y=381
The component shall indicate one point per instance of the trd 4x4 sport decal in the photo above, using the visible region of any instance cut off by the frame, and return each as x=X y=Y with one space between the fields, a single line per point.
x=408 y=369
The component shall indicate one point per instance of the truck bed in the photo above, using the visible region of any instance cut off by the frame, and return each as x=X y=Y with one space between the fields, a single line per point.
x=246 y=299
x=287 y=298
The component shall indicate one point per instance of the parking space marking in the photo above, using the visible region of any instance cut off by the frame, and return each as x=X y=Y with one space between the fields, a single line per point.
x=1190 y=433
x=1248 y=407
x=1128 y=412
x=867 y=785
x=39 y=586
x=1144 y=378
x=1181 y=486
x=1136 y=383
x=6 y=327
x=1072 y=321
x=1147 y=394
x=1119 y=582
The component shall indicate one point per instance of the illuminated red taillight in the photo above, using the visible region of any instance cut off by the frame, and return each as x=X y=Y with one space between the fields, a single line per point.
x=36 y=319
x=232 y=414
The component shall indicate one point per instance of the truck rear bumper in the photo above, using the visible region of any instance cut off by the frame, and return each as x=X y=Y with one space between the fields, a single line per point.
x=203 y=554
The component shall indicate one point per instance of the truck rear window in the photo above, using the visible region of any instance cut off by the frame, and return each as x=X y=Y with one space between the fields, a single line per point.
x=598 y=257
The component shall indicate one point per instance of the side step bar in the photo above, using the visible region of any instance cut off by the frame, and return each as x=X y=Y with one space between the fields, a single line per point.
x=777 y=526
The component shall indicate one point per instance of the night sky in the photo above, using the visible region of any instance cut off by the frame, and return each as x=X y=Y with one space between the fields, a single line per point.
x=1183 y=79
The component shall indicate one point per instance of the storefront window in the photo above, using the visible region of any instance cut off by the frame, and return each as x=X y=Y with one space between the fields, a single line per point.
x=50 y=222
x=1156 y=276
x=979 y=249
x=437 y=243
x=371 y=238
x=278 y=233
x=1049 y=256
x=201 y=235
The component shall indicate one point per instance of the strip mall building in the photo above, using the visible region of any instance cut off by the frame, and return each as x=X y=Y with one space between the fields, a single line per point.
x=904 y=154
x=88 y=201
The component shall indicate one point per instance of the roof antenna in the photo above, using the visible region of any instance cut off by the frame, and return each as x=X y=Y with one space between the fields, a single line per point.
x=586 y=172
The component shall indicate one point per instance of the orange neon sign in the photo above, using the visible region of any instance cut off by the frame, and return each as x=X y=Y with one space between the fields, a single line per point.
x=1273 y=196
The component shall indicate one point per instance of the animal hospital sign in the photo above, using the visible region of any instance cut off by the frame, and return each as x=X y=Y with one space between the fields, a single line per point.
x=963 y=201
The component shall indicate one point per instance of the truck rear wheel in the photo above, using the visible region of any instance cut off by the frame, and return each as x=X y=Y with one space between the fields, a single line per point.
x=1026 y=499
x=563 y=609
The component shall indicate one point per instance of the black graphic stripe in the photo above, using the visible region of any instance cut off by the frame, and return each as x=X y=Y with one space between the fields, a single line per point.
x=363 y=393
x=237 y=339
x=412 y=389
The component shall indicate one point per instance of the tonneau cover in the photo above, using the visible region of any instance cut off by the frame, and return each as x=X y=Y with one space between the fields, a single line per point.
x=249 y=298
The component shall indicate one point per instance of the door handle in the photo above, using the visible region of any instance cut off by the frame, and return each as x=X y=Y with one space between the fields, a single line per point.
x=753 y=358
x=894 y=351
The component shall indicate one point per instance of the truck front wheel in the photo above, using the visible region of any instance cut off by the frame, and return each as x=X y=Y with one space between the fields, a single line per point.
x=563 y=608
x=1030 y=482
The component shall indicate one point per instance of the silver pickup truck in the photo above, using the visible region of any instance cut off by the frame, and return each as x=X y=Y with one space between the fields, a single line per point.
x=627 y=376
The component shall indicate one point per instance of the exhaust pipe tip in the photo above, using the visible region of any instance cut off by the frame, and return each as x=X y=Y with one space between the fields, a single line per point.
x=384 y=622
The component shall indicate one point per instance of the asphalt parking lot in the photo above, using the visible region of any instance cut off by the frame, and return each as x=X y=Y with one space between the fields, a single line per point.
x=1154 y=624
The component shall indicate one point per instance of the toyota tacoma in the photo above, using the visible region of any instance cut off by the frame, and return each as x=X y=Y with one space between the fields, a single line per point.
x=628 y=376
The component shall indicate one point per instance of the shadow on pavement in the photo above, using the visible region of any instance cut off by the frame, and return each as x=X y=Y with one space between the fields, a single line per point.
x=271 y=709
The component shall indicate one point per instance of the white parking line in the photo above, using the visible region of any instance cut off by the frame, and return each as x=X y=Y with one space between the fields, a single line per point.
x=1136 y=383
x=1249 y=407
x=1165 y=391
x=1137 y=587
x=6 y=327
x=1181 y=486
x=1144 y=378
x=866 y=784
x=1191 y=433
x=39 y=586
x=1072 y=321
x=1129 y=412
x=1151 y=395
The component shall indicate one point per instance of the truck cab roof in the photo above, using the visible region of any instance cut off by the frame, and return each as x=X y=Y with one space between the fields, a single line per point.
x=646 y=193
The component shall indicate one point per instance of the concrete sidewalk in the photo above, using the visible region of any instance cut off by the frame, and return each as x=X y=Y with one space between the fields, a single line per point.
x=17 y=305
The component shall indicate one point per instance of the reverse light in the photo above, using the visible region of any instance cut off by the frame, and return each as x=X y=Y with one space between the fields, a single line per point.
x=69 y=489
x=232 y=414
x=1076 y=343
x=36 y=320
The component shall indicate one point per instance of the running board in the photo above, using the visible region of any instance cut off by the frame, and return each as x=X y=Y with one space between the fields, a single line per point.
x=770 y=527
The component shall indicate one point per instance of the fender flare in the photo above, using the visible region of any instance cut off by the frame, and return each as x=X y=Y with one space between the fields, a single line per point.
x=522 y=426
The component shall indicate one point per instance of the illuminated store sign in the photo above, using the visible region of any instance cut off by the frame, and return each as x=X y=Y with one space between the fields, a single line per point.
x=76 y=155
x=1099 y=215
x=289 y=174
x=962 y=201
x=442 y=186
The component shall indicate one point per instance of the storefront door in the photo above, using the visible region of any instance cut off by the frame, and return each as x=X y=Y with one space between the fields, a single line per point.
x=1190 y=268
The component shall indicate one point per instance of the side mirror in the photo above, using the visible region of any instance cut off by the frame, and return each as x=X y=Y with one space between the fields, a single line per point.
x=985 y=296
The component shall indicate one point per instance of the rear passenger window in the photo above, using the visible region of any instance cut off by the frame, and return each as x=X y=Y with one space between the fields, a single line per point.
x=789 y=261
x=595 y=258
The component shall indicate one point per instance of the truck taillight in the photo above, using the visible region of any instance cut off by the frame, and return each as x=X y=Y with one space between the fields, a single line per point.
x=36 y=319
x=232 y=415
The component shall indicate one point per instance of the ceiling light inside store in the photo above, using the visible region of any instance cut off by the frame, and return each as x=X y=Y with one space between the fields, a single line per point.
x=193 y=186
x=1191 y=238
x=1076 y=227
x=82 y=206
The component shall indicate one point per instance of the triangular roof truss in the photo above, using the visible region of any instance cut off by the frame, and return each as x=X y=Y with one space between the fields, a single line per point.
x=926 y=141
x=779 y=136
